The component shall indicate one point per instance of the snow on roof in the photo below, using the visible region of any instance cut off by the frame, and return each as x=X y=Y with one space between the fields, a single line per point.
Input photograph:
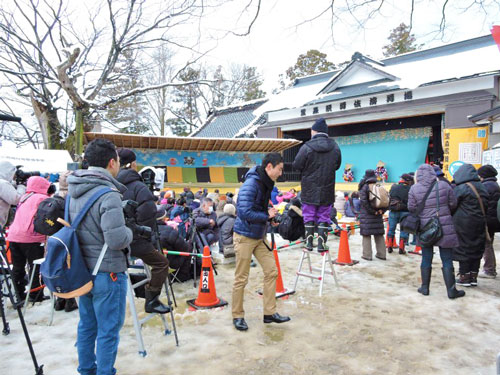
x=464 y=59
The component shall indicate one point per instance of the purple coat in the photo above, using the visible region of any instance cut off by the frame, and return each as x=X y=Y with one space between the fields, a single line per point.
x=424 y=177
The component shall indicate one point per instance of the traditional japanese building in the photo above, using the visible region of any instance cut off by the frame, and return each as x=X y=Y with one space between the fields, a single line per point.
x=403 y=110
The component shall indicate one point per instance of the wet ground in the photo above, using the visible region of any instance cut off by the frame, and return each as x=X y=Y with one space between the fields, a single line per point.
x=375 y=322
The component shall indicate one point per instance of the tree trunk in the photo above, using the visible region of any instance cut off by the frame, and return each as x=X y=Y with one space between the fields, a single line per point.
x=78 y=132
x=49 y=125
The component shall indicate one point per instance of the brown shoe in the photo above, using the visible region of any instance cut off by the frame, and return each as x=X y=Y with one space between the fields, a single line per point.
x=464 y=279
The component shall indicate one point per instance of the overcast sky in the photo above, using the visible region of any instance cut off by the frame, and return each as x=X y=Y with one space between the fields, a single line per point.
x=276 y=40
x=282 y=31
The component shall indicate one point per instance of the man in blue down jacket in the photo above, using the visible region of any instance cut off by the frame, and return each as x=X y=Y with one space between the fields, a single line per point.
x=253 y=214
x=317 y=161
x=102 y=310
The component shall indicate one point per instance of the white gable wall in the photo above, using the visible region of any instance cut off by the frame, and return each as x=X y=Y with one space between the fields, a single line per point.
x=358 y=75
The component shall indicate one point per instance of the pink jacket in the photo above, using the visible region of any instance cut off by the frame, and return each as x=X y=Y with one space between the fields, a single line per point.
x=22 y=228
x=288 y=195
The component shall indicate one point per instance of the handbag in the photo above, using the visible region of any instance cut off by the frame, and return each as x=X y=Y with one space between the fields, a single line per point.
x=411 y=223
x=482 y=210
x=431 y=232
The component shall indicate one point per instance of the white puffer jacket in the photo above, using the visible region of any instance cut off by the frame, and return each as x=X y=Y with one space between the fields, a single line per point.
x=9 y=193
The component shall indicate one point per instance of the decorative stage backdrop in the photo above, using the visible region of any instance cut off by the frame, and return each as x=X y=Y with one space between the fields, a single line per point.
x=401 y=150
x=190 y=166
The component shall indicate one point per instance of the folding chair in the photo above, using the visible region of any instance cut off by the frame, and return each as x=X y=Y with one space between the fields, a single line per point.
x=139 y=323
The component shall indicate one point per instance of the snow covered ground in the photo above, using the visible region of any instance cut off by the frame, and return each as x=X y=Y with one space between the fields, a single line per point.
x=374 y=323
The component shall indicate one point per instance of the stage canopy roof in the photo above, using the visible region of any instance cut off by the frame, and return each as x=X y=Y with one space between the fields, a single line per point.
x=261 y=145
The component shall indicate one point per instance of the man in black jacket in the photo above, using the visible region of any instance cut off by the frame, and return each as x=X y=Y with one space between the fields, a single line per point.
x=398 y=205
x=146 y=216
x=487 y=173
x=317 y=161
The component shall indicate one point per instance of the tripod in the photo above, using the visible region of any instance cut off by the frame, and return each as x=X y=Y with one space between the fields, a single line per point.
x=6 y=276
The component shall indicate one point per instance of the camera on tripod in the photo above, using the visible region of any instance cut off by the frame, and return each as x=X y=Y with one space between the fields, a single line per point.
x=22 y=176
x=130 y=212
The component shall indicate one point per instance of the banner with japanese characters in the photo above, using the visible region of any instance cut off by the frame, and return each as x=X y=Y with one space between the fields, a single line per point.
x=464 y=145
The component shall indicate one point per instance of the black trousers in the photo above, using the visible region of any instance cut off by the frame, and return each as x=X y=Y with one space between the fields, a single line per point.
x=470 y=265
x=21 y=254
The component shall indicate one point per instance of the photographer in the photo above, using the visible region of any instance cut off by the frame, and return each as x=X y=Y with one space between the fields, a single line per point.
x=102 y=310
x=253 y=215
x=26 y=245
x=145 y=215
x=10 y=193
x=205 y=220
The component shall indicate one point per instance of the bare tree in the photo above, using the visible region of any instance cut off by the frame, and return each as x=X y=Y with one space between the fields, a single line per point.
x=360 y=12
x=54 y=49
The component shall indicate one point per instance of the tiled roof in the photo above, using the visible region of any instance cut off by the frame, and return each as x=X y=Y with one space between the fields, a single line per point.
x=227 y=122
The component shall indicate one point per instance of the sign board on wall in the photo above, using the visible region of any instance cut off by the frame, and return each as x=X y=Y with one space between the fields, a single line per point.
x=464 y=145
x=492 y=157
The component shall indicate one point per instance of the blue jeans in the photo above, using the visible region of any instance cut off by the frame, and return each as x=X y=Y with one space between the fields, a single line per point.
x=102 y=313
x=445 y=253
x=395 y=217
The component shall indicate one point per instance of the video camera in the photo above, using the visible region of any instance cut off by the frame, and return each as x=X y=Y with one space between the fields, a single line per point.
x=22 y=176
x=130 y=212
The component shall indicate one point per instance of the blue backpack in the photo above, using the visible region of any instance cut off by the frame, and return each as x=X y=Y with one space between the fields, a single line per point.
x=64 y=270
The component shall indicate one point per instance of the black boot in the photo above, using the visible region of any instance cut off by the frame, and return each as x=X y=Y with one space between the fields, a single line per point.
x=322 y=237
x=59 y=304
x=309 y=226
x=426 y=280
x=71 y=305
x=153 y=303
x=449 y=280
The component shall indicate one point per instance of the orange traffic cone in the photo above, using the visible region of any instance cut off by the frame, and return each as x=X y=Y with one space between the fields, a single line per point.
x=388 y=242
x=281 y=291
x=418 y=250
x=344 y=256
x=207 y=296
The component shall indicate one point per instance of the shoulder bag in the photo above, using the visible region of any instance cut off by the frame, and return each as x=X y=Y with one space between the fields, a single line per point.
x=473 y=188
x=411 y=223
x=431 y=232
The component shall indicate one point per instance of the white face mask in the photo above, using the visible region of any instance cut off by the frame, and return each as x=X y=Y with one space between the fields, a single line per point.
x=210 y=210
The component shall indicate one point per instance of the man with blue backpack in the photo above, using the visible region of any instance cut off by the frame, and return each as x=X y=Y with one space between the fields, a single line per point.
x=102 y=310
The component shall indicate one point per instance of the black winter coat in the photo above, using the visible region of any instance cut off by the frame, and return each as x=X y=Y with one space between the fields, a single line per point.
x=146 y=211
x=370 y=223
x=468 y=219
x=202 y=222
x=170 y=239
x=226 y=225
x=399 y=193
x=491 y=185
x=317 y=161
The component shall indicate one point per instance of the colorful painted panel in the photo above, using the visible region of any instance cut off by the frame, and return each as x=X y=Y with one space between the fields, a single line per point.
x=202 y=174
x=217 y=174
x=189 y=175
x=174 y=174
x=197 y=159
x=231 y=175
x=401 y=150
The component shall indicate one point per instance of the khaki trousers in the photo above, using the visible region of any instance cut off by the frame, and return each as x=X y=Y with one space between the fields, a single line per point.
x=379 y=245
x=244 y=247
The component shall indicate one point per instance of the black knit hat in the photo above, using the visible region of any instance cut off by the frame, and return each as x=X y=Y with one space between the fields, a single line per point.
x=407 y=177
x=487 y=171
x=126 y=156
x=369 y=173
x=320 y=126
